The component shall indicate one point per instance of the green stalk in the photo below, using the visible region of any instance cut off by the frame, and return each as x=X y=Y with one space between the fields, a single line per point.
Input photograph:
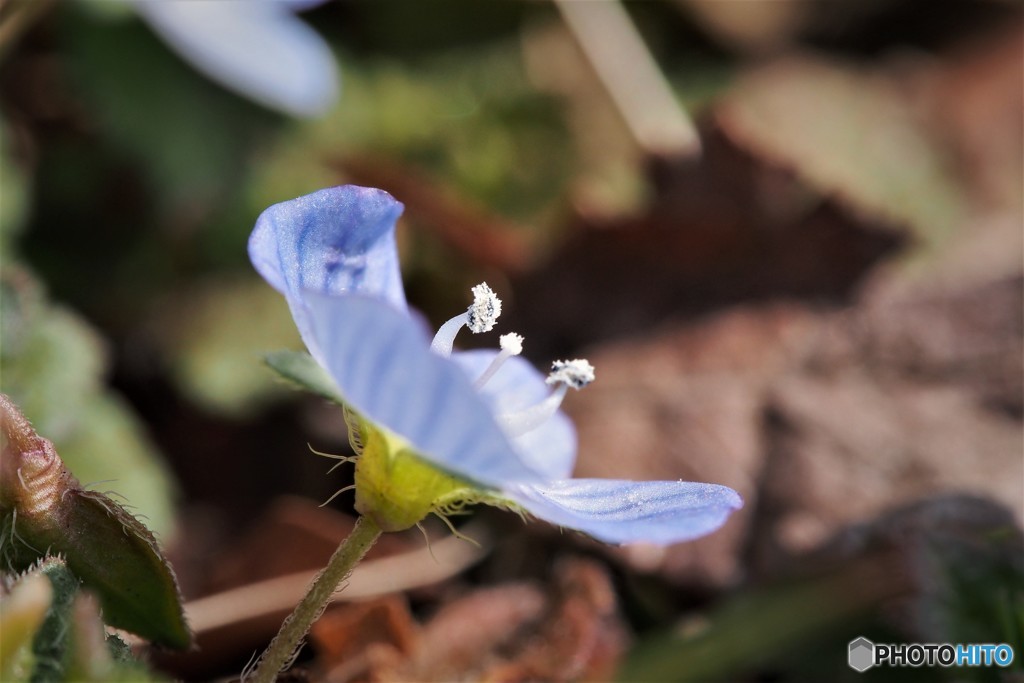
x=286 y=643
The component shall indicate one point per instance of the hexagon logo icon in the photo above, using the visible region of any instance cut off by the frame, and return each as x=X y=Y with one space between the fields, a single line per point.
x=862 y=654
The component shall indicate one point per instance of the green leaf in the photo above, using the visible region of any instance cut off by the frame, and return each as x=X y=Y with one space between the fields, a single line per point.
x=45 y=511
x=111 y=446
x=118 y=557
x=299 y=368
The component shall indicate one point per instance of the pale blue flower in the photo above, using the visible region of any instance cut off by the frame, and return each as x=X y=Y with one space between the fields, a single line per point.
x=332 y=254
x=257 y=48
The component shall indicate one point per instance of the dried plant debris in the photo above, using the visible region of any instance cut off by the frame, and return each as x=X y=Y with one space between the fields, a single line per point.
x=730 y=228
x=515 y=631
x=818 y=419
x=850 y=133
x=914 y=394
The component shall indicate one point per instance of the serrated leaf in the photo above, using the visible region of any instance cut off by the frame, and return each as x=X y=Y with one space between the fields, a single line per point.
x=110 y=430
x=45 y=511
x=299 y=368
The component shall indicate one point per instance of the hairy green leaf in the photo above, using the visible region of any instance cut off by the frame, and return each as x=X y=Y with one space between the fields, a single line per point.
x=45 y=511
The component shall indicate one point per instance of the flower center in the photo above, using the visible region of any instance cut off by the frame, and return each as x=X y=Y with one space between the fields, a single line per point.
x=480 y=317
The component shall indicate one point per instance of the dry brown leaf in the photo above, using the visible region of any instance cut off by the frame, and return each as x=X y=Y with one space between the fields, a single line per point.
x=849 y=132
x=343 y=635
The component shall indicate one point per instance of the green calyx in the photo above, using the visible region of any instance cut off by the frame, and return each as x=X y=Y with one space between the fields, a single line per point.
x=395 y=486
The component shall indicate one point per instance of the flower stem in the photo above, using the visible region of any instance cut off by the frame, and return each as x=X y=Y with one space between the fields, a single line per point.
x=286 y=643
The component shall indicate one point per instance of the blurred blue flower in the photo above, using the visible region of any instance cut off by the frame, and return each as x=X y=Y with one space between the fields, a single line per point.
x=497 y=424
x=255 y=47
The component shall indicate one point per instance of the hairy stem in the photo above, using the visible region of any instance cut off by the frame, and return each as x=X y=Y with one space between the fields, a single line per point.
x=286 y=643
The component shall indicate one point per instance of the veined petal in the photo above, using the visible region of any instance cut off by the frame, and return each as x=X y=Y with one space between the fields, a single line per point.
x=254 y=47
x=661 y=512
x=336 y=241
x=385 y=369
x=549 y=449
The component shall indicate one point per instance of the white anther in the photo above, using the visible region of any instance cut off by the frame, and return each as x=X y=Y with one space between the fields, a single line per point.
x=485 y=309
x=511 y=345
x=479 y=317
x=576 y=373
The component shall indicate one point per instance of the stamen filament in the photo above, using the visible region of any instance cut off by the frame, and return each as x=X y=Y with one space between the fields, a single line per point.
x=528 y=419
x=511 y=345
x=576 y=373
x=498 y=361
x=444 y=340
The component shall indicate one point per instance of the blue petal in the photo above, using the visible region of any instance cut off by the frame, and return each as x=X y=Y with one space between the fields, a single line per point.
x=551 y=448
x=384 y=368
x=336 y=241
x=660 y=512
x=254 y=47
